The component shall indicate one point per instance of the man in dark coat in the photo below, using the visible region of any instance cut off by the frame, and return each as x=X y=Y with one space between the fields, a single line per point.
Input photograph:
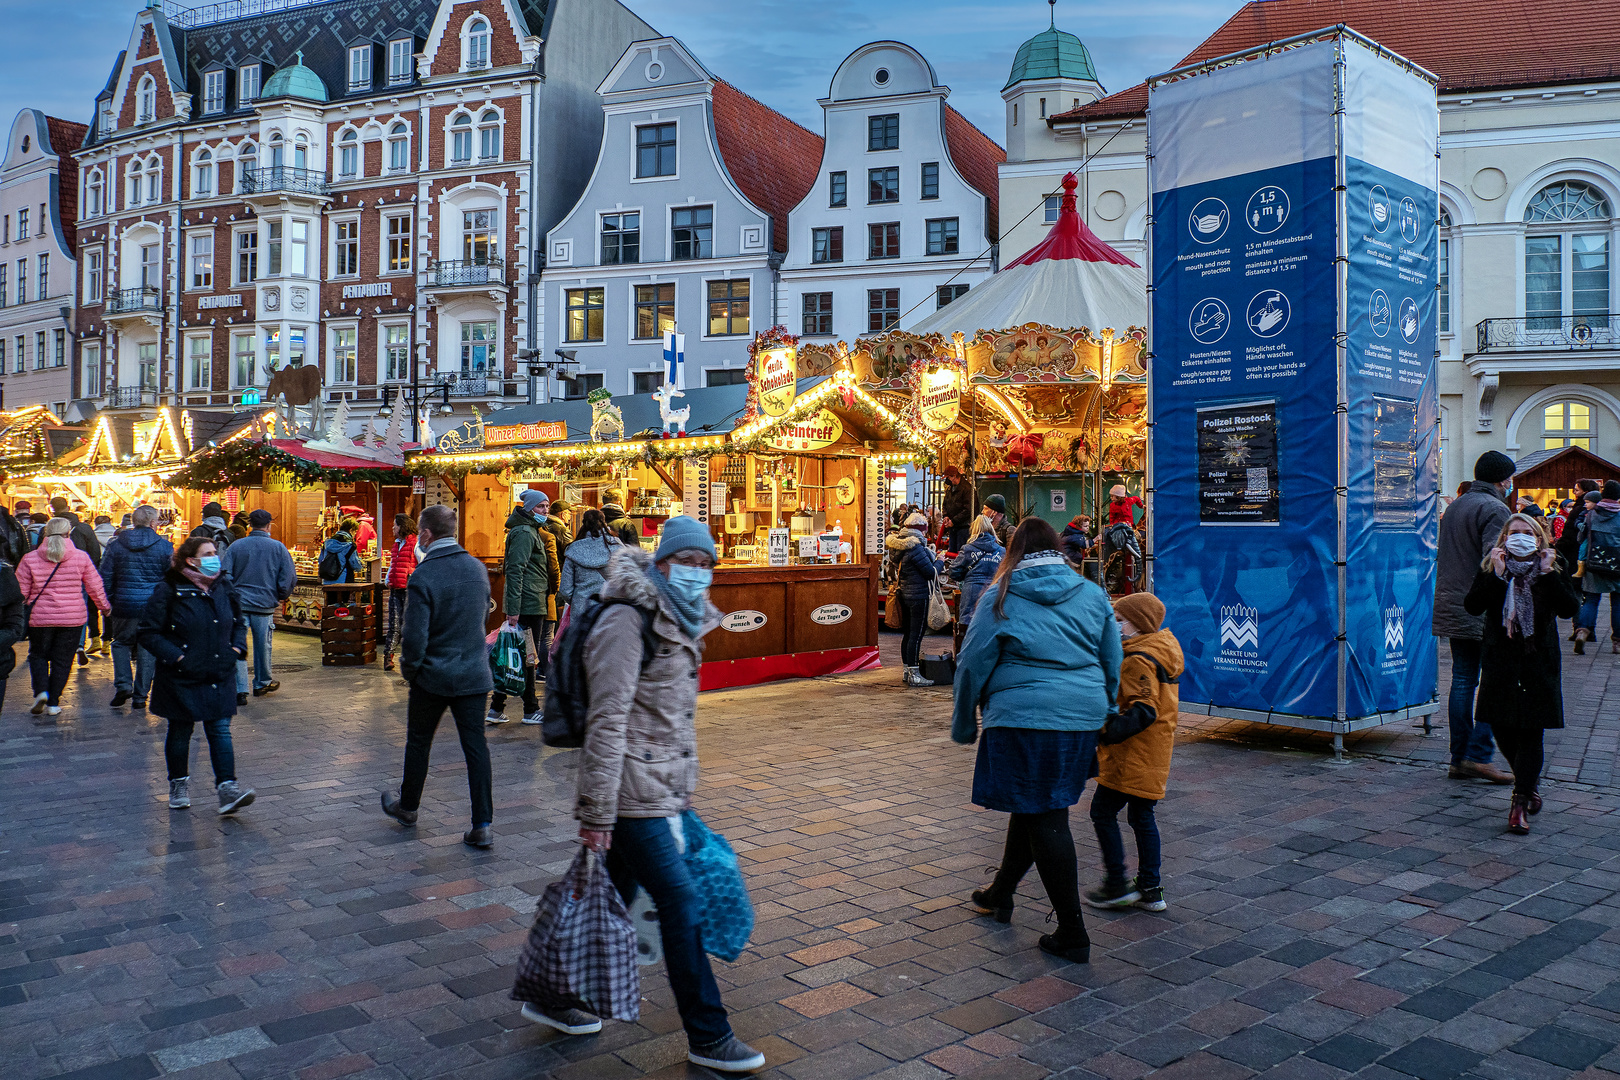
x=13 y=538
x=533 y=575
x=1468 y=529
x=619 y=523
x=131 y=568
x=83 y=535
x=957 y=507
x=13 y=626
x=444 y=658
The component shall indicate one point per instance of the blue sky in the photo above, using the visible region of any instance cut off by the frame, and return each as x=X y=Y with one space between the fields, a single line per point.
x=56 y=53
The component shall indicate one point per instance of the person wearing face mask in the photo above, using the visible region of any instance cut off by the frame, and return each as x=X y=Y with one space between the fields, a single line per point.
x=1521 y=597
x=1599 y=547
x=1468 y=530
x=194 y=628
x=1133 y=754
x=640 y=766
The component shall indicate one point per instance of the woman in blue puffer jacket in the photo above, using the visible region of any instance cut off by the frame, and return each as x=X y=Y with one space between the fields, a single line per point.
x=975 y=565
x=1041 y=661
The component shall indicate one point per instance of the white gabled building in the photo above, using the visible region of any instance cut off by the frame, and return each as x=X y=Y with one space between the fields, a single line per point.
x=902 y=214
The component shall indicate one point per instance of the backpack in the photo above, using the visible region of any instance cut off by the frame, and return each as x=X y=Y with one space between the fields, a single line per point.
x=221 y=537
x=333 y=565
x=1603 y=553
x=568 y=697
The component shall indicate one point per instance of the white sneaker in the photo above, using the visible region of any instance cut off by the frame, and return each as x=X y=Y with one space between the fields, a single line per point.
x=53 y=710
x=496 y=718
x=39 y=703
x=535 y=718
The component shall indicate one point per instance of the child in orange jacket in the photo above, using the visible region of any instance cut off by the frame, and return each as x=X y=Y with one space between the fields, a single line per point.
x=1133 y=754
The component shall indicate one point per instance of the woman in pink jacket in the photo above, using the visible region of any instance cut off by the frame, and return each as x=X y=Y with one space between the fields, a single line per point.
x=55 y=577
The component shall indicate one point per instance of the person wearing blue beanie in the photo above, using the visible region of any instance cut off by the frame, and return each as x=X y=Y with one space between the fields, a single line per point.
x=684 y=533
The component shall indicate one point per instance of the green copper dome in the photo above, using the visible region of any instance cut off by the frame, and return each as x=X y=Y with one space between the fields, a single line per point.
x=1051 y=54
x=300 y=82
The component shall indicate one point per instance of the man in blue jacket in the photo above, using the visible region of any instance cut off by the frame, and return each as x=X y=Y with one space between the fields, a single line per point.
x=131 y=567
x=262 y=570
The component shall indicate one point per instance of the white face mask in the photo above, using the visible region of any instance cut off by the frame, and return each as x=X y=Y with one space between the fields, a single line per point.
x=1520 y=545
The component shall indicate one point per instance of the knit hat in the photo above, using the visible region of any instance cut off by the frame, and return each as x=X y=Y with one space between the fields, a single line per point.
x=1493 y=467
x=260 y=519
x=996 y=503
x=533 y=497
x=684 y=533
x=1144 y=611
x=1118 y=492
x=213 y=509
x=917 y=521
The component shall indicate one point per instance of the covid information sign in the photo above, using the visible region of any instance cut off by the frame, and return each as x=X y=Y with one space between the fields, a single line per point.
x=1293 y=379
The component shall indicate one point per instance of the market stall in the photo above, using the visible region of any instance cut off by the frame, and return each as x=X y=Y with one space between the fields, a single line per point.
x=785 y=476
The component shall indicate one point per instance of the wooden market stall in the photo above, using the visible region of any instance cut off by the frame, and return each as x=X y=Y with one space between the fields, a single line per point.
x=786 y=481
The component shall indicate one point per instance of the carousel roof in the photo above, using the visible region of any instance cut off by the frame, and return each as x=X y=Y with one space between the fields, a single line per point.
x=1070 y=279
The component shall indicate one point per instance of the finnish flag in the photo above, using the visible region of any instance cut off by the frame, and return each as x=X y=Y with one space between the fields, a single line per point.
x=674 y=359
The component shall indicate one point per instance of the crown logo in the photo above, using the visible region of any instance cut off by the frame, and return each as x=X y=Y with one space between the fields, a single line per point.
x=1240 y=626
x=1394 y=627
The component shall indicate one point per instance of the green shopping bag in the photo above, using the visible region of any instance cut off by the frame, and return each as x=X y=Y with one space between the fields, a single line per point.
x=506 y=660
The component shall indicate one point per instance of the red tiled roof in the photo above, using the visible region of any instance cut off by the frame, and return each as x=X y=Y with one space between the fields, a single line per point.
x=976 y=156
x=772 y=159
x=1472 y=45
x=66 y=137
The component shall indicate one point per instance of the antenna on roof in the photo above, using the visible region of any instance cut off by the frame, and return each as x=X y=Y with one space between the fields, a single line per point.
x=1053 y=5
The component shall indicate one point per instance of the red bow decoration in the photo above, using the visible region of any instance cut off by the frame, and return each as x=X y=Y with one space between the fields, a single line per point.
x=849 y=397
x=1024 y=450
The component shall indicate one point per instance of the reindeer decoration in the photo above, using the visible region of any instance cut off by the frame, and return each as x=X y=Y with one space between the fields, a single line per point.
x=676 y=418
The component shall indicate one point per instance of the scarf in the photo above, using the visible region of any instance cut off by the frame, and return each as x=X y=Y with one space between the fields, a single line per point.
x=198 y=578
x=1609 y=504
x=1519 y=611
x=688 y=614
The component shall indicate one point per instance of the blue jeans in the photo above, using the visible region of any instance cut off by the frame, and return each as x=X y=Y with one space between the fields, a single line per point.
x=1589 y=613
x=125 y=681
x=1106 y=804
x=1470 y=741
x=263 y=626
x=177 y=748
x=644 y=853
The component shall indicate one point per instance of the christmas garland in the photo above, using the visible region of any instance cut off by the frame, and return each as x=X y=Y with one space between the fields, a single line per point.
x=242 y=462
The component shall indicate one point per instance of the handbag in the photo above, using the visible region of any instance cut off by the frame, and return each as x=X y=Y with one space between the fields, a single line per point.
x=891 y=610
x=581 y=951
x=728 y=914
x=28 y=608
x=939 y=612
x=506 y=660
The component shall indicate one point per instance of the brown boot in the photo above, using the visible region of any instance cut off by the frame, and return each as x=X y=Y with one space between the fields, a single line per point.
x=1518 y=824
x=1582 y=636
x=1484 y=770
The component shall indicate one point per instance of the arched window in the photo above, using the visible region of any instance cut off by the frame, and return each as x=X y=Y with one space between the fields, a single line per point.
x=278 y=152
x=489 y=136
x=154 y=179
x=247 y=162
x=399 y=147
x=477 y=44
x=1445 y=271
x=1566 y=255
x=146 y=100
x=461 y=140
x=203 y=183
x=300 y=153
x=132 y=183
x=349 y=154
x=1566 y=423
x=92 y=194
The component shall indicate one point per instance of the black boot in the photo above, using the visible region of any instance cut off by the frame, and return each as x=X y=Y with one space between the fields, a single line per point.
x=1071 y=942
x=993 y=903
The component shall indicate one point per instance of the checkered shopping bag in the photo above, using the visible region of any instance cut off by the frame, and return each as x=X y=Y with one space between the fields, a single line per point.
x=581 y=952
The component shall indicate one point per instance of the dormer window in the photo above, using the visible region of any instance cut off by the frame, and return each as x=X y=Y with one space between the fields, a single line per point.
x=359 y=68
x=349 y=154
x=477 y=45
x=214 y=91
x=399 y=61
x=146 y=100
x=106 y=119
x=247 y=84
x=489 y=136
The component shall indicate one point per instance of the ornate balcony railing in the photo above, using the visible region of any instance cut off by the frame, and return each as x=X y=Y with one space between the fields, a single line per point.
x=273 y=179
x=131 y=397
x=145 y=299
x=473 y=384
x=1549 y=332
x=452 y=272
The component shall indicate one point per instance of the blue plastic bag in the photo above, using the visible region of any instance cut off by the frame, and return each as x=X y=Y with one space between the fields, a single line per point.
x=728 y=914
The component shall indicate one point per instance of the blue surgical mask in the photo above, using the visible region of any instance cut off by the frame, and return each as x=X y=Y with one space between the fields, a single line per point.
x=209 y=565
x=689 y=582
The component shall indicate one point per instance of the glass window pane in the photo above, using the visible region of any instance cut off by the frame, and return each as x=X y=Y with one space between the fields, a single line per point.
x=1543 y=279
x=1553 y=418
x=1580 y=416
x=1589 y=274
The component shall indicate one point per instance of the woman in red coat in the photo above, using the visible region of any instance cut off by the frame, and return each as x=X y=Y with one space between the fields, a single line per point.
x=55 y=578
x=400 y=566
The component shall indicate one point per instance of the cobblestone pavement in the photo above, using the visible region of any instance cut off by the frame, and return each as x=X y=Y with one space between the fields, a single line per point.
x=1372 y=919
